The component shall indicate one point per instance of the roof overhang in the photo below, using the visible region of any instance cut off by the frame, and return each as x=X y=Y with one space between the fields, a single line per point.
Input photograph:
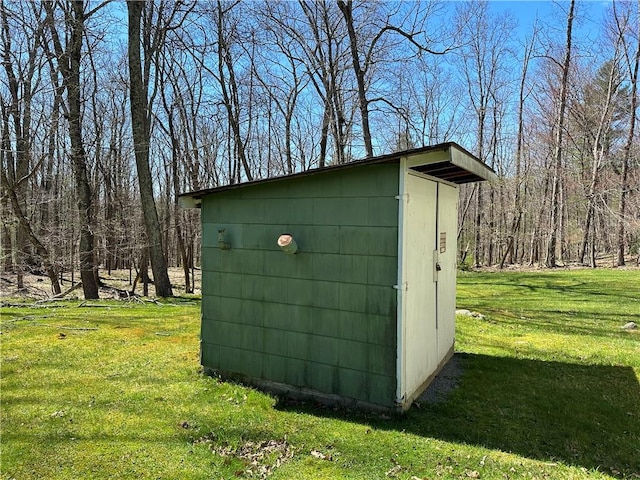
x=451 y=163
x=446 y=161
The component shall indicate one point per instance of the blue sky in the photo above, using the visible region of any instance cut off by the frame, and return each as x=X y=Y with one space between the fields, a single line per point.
x=587 y=24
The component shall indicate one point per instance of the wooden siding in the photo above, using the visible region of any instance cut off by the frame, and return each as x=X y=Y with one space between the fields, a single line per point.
x=324 y=318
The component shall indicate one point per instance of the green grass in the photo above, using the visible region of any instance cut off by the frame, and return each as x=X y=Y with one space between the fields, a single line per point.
x=550 y=389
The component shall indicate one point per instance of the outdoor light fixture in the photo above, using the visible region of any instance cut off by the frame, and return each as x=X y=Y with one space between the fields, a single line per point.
x=287 y=244
x=222 y=245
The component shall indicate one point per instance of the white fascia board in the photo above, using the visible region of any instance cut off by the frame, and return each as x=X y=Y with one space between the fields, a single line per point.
x=189 y=202
x=470 y=164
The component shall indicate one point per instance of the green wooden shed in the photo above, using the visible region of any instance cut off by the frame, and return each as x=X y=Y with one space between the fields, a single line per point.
x=336 y=283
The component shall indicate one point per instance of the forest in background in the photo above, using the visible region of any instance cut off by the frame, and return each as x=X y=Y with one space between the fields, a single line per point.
x=111 y=109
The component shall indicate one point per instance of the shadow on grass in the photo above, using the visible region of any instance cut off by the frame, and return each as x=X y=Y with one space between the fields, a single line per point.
x=582 y=415
x=579 y=414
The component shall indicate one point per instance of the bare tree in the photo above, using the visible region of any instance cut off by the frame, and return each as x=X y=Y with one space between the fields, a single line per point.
x=17 y=163
x=622 y=26
x=347 y=10
x=180 y=129
x=229 y=85
x=238 y=91
x=11 y=186
x=482 y=59
x=430 y=102
x=69 y=59
x=141 y=106
x=550 y=260
x=595 y=115
x=283 y=78
x=516 y=223
x=317 y=35
x=363 y=55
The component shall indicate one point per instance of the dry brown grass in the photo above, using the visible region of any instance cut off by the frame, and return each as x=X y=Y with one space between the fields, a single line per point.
x=115 y=285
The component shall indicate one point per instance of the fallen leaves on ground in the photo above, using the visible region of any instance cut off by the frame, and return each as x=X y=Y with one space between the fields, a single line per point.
x=320 y=455
x=261 y=458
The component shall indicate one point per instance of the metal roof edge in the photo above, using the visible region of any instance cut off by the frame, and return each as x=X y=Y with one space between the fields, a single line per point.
x=192 y=199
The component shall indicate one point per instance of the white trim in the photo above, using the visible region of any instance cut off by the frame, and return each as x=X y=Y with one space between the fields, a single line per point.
x=400 y=309
x=426 y=158
x=187 y=202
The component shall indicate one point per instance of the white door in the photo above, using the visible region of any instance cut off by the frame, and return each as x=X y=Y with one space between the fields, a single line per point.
x=446 y=271
x=420 y=342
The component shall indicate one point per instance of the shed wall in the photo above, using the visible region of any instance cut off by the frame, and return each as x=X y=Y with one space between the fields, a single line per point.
x=323 y=319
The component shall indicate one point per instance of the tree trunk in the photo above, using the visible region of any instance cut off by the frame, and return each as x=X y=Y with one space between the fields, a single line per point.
x=78 y=156
x=140 y=123
x=592 y=259
x=69 y=58
x=144 y=272
x=477 y=252
x=550 y=260
x=7 y=240
x=326 y=119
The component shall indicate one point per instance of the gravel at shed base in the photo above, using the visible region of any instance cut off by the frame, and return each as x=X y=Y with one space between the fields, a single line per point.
x=444 y=382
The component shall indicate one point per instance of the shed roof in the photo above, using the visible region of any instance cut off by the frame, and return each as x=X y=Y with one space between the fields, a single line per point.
x=446 y=161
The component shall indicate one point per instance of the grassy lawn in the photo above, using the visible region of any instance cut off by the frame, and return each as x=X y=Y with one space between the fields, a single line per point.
x=550 y=389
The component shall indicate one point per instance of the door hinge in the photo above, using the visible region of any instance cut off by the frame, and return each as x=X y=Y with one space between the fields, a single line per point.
x=403 y=287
